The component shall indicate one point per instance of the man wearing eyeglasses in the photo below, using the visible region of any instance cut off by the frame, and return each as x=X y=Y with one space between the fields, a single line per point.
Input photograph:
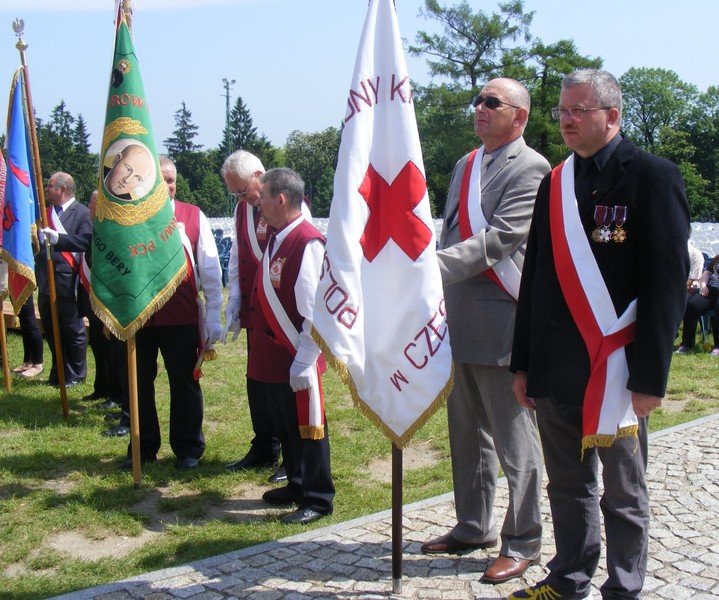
x=487 y=216
x=603 y=292
x=241 y=172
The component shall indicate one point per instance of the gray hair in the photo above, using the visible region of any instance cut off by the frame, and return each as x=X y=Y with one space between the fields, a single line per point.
x=605 y=86
x=285 y=181
x=65 y=180
x=517 y=94
x=242 y=163
x=166 y=161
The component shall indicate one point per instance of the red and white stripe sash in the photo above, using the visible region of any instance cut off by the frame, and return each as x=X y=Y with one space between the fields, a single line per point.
x=607 y=408
x=310 y=402
x=471 y=221
x=76 y=260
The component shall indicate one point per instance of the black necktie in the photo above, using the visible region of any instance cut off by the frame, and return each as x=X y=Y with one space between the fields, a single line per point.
x=58 y=210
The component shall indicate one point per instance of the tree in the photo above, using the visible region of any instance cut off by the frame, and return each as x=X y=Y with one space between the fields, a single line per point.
x=473 y=45
x=653 y=99
x=212 y=196
x=314 y=157
x=543 y=77
x=242 y=133
x=446 y=133
x=185 y=131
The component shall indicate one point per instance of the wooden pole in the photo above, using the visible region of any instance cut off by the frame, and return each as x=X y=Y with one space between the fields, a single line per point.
x=5 y=359
x=40 y=191
x=396 y=519
x=134 y=413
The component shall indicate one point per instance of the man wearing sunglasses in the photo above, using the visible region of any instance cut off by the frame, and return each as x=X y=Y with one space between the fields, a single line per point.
x=487 y=216
x=603 y=293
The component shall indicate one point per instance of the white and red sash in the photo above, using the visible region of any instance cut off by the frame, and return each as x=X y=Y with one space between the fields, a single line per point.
x=249 y=232
x=471 y=221
x=76 y=260
x=310 y=402
x=607 y=411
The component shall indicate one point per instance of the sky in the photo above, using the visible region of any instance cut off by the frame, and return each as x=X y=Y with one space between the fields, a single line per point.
x=292 y=60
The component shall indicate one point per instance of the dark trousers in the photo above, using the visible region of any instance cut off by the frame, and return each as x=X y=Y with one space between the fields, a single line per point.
x=266 y=444
x=698 y=305
x=99 y=345
x=178 y=346
x=31 y=334
x=73 y=337
x=307 y=462
x=575 y=503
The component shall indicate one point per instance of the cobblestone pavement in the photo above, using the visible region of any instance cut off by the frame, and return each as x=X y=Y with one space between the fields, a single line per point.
x=353 y=559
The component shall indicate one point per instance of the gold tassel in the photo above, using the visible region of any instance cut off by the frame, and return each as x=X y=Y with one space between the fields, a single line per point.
x=399 y=441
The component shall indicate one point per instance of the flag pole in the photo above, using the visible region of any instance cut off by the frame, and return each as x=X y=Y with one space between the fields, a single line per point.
x=18 y=27
x=5 y=359
x=396 y=519
x=134 y=413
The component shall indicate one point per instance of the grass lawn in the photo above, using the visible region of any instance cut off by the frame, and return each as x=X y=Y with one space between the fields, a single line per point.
x=69 y=519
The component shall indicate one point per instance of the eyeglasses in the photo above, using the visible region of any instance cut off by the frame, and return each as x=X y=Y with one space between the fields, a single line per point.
x=490 y=102
x=576 y=112
x=239 y=195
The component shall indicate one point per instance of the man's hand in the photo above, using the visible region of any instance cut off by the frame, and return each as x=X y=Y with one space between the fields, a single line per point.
x=232 y=319
x=50 y=234
x=213 y=330
x=644 y=404
x=519 y=387
x=300 y=375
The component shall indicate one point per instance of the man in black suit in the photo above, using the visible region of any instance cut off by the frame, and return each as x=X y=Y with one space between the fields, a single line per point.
x=602 y=295
x=70 y=234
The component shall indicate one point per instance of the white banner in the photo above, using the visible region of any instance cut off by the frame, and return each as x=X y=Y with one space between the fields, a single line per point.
x=379 y=311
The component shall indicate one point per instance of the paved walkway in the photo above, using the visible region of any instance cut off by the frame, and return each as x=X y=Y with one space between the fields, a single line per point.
x=353 y=559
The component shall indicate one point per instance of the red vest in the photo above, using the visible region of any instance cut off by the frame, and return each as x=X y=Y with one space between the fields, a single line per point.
x=246 y=265
x=181 y=309
x=268 y=360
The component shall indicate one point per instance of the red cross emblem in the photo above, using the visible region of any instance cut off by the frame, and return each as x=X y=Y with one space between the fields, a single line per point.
x=391 y=213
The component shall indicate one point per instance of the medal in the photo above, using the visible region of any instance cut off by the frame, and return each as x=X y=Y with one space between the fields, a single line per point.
x=620 y=216
x=603 y=216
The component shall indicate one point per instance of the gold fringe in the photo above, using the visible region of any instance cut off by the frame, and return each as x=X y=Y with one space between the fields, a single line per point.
x=124 y=333
x=128 y=214
x=605 y=440
x=25 y=271
x=210 y=354
x=312 y=432
x=399 y=441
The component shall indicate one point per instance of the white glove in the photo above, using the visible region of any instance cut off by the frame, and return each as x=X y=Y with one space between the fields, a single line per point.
x=300 y=375
x=51 y=234
x=232 y=319
x=213 y=330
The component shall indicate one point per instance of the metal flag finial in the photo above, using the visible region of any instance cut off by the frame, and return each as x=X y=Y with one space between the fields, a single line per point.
x=18 y=26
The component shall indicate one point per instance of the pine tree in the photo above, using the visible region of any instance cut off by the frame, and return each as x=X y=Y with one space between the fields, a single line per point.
x=185 y=131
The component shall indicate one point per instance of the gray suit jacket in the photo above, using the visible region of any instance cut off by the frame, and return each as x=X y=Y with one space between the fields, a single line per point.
x=479 y=314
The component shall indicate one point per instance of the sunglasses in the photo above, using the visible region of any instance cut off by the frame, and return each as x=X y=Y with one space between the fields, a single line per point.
x=490 y=102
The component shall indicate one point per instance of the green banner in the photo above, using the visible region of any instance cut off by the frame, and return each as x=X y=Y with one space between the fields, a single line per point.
x=137 y=255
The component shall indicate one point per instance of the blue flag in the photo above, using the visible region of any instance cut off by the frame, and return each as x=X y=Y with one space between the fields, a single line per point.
x=20 y=209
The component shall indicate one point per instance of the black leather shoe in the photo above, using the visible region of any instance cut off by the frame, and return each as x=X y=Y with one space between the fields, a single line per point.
x=281 y=495
x=113 y=416
x=73 y=382
x=278 y=476
x=126 y=465
x=302 y=515
x=117 y=431
x=93 y=396
x=187 y=463
x=447 y=544
x=109 y=405
x=250 y=461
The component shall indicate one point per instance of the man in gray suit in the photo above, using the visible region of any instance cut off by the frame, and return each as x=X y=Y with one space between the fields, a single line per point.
x=487 y=217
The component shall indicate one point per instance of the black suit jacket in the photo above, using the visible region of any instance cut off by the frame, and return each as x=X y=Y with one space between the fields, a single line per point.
x=651 y=265
x=76 y=221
